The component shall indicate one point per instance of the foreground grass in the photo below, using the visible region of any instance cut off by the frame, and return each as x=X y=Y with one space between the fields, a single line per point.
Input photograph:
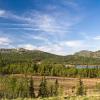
x=62 y=98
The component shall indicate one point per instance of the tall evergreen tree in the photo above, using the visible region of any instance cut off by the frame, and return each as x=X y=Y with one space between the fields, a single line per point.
x=51 y=90
x=43 y=90
x=31 y=88
x=80 y=88
x=56 y=88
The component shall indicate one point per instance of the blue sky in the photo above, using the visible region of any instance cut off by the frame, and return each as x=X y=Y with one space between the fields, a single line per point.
x=57 y=26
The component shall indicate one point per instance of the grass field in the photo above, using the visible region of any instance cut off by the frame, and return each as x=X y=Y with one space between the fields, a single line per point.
x=63 y=98
x=67 y=84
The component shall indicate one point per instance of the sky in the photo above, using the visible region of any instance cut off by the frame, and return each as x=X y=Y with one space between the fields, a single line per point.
x=60 y=27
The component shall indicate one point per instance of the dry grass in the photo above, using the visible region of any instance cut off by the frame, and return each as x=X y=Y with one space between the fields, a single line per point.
x=67 y=83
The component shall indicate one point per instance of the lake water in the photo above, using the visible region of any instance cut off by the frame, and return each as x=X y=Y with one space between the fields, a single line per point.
x=89 y=66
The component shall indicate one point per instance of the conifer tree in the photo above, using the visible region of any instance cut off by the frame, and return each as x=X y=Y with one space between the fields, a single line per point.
x=80 y=88
x=31 y=88
x=43 y=91
x=51 y=90
x=56 y=88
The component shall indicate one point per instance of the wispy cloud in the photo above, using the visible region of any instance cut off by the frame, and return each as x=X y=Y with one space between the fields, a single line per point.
x=2 y=13
x=96 y=38
x=72 y=43
x=9 y=15
x=40 y=21
x=46 y=25
x=38 y=37
x=4 y=41
x=49 y=28
x=27 y=46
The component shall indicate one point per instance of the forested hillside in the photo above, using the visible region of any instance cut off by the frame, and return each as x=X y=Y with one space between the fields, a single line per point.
x=41 y=63
x=23 y=55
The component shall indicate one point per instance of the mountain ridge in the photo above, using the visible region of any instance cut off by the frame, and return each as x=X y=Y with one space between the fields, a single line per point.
x=80 y=58
x=84 y=53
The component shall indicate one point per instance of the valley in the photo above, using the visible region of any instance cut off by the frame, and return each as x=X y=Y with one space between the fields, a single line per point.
x=34 y=66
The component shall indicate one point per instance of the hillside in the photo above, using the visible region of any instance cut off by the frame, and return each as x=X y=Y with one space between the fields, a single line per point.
x=86 y=53
x=82 y=57
x=29 y=55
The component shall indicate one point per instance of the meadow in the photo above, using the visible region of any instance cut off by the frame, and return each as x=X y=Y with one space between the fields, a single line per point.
x=67 y=88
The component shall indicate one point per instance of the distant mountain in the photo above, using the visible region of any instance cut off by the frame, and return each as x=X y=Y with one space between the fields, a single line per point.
x=96 y=54
x=83 y=53
x=86 y=53
x=20 y=54
x=31 y=55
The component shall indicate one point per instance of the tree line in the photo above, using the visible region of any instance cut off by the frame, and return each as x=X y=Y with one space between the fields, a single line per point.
x=49 y=70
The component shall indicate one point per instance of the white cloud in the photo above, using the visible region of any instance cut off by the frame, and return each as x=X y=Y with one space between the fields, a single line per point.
x=54 y=48
x=27 y=46
x=9 y=15
x=4 y=41
x=52 y=25
x=74 y=43
x=46 y=23
x=38 y=37
x=2 y=13
x=97 y=38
